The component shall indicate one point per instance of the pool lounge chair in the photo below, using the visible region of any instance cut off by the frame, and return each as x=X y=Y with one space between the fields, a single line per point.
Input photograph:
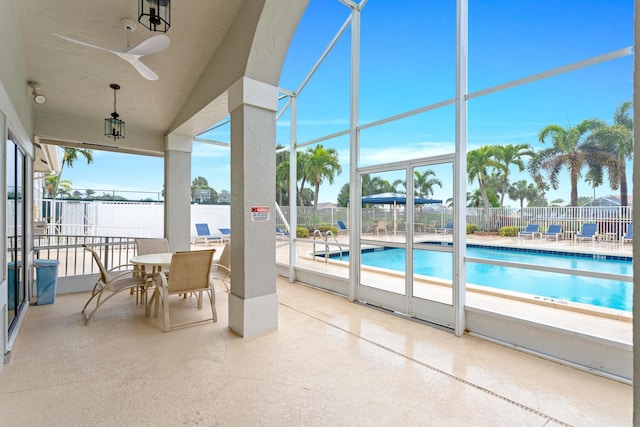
x=226 y=234
x=628 y=236
x=204 y=235
x=554 y=231
x=342 y=228
x=530 y=231
x=589 y=232
x=281 y=234
x=446 y=229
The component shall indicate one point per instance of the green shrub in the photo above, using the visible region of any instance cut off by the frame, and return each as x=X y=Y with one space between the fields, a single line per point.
x=302 y=232
x=509 y=231
x=325 y=228
x=471 y=228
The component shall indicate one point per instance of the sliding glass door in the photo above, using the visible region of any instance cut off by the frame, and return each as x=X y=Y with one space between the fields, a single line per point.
x=15 y=231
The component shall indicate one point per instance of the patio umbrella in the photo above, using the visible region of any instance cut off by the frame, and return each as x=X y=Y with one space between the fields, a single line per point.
x=396 y=199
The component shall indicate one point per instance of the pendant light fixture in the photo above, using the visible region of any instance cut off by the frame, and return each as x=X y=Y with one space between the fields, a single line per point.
x=155 y=14
x=113 y=126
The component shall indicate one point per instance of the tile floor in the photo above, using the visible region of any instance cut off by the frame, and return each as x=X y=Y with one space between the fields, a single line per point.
x=330 y=362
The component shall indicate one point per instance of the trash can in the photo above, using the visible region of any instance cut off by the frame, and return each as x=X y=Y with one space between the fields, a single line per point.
x=46 y=279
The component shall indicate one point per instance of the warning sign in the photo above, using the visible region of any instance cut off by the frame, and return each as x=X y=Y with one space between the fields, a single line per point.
x=260 y=213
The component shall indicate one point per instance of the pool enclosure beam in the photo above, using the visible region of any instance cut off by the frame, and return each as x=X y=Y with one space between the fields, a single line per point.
x=460 y=168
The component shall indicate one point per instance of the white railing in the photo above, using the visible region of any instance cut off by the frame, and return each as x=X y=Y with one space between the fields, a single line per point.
x=140 y=219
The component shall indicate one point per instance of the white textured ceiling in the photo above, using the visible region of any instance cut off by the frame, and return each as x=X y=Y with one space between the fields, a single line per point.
x=75 y=78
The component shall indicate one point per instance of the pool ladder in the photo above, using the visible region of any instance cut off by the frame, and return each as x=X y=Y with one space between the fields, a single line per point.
x=326 y=245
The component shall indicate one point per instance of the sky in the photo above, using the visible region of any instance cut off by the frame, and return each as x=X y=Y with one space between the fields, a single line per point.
x=407 y=62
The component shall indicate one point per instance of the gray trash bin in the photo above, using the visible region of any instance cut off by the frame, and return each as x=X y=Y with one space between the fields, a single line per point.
x=46 y=279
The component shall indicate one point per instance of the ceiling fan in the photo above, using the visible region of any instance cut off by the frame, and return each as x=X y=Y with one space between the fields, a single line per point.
x=132 y=55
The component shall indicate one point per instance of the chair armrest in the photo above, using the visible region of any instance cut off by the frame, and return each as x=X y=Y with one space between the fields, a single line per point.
x=215 y=264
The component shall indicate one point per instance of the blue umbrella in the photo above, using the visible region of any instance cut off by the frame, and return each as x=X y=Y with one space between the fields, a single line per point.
x=396 y=198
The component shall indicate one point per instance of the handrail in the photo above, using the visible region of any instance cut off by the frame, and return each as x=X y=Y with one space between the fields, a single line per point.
x=314 y=243
x=329 y=233
x=326 y=244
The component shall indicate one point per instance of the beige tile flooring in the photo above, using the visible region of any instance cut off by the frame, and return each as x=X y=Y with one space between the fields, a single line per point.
x=330 y=362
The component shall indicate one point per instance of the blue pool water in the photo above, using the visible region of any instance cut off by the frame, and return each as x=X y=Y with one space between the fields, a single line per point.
x=587 y=290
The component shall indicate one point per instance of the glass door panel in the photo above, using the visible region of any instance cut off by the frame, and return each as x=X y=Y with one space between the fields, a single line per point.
x=383 y=239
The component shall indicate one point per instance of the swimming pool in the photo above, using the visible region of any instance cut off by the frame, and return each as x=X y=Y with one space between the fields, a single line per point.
x=586 y=290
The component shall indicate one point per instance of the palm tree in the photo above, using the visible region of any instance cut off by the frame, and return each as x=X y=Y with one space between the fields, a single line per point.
x=509 y=155
x=70 y=155
x=53 y=186
x=321 y=164
x=478 y=161
x=594 y=177
x=521 y=190
x=566 y=151
x=282 y=176
x=612 y=146
x=423 y=185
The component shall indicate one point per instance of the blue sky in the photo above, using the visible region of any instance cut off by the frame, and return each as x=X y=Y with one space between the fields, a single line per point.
x=408 y=61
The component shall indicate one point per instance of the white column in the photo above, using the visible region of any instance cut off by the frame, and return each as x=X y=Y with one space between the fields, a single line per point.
x=177 y=192
x=253 y=301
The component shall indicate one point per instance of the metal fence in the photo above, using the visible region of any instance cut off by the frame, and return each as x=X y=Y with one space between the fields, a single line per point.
x=611 y=220
x=75 y=261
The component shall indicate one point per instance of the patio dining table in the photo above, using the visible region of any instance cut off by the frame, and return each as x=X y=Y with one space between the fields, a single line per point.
x=156 y=262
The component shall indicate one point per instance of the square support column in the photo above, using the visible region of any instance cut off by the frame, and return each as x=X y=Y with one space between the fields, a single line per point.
x=177 y=192
x=253 y=301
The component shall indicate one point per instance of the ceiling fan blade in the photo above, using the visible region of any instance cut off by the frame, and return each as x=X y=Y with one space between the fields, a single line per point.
x=145 y=71
x=87 y=44
x=154 y=44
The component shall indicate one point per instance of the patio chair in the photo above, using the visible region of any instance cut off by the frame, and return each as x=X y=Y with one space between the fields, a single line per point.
x=204 y=235
x=381 y=226
x=190 y=272
x=446 y=229
x=554 y=230
x=222 y=267
x=430 y=227
x=281 y=234
x=151 y=246
x=628 y=236
x=589 y=232
x=342 y=228
x=530 y=231
x=111 y=282
x=226 y=234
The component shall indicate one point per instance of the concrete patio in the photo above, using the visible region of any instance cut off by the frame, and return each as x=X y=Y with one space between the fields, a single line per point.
x=330 y=362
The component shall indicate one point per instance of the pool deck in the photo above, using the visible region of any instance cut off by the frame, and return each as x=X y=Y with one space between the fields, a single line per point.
x=607 y=324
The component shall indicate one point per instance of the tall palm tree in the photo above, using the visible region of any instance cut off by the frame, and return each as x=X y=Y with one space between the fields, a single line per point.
x=612 y=146
x=565 y=151
x=321 y=164
x=423 y=185
x=509 y=155
x=478 y=161
x=70 y=155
